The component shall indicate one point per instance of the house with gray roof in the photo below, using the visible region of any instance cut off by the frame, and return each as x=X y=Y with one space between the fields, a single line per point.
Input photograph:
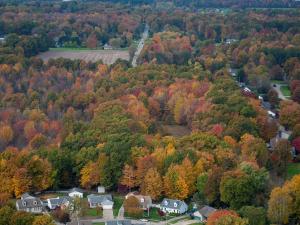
x=62 y=202
x=104 y=201
x=203 y=213
x=173 y=206
x=121 y=222
x=76 y=192
x=29 y=203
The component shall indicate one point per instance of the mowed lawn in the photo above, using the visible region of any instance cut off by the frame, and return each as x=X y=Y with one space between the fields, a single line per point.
x=293 y=169
x=107 y=56
x=118 y=202
x=285 y=90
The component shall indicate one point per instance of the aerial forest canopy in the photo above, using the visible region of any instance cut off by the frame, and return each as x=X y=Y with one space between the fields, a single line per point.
x=200 y=118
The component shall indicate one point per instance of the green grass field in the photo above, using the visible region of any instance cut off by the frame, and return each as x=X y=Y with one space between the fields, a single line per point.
x=285 y=90
x=99 y=223
x=293 y=169
x=118 y=202
x=94 y=213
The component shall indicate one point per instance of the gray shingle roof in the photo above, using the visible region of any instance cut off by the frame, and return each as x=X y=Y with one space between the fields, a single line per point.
x=29 y=202
x=60 y=200
x=171 y=203
x=206 y=211
x=76 y=189
x=98 y=199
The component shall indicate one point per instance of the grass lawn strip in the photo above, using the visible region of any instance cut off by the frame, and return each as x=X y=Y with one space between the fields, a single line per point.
x=293 y=169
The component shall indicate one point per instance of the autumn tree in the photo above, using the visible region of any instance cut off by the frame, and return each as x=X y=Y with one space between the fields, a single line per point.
x=174 y=184
x=225 y=217
x=92 y=41
x=152 y=184
x=129 y=178
x=280 y=206
x=89 y=175
x=43 y=220
x=281 y=156
x=132 y=207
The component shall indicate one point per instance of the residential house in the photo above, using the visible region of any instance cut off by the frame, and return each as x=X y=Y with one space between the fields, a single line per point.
x=173 y=206
x=144 y=200
x=107 y=47
x=104 y=201
x=121 y=222
x=203 y=213
x=76 y=192
x=29 y=203
x=62 y=202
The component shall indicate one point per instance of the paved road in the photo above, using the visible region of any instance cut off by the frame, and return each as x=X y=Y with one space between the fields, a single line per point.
x=140 y=45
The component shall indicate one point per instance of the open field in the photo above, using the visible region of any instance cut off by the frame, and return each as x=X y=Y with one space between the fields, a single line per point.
x=107 y=56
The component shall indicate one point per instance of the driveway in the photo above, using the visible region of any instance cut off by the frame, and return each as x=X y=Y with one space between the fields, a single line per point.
x=108 y=214
x=278 y=90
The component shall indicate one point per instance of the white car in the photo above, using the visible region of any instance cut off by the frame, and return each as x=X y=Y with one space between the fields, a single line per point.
x=143 y=220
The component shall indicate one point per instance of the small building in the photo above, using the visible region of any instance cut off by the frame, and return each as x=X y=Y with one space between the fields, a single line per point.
x=203 y=213
x=107 y=47
x=101 y=189
x=144 y=200
x=2 y=40
x=62 y=202
x=104 y=201
x=173 y=206
x=76 y=192
x=29 y=203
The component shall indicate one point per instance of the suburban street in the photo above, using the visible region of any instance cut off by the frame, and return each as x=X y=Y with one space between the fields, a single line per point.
x=140 y=45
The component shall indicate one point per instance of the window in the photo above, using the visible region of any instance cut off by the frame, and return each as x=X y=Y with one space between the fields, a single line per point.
x=175 y=204
x=166 y=202
x=35 y=202
x=24 y=203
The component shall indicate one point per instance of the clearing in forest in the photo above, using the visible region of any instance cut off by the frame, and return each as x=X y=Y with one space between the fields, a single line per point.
x=107 y=56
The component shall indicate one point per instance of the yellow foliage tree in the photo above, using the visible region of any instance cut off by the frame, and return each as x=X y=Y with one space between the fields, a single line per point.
x=174 y=184
x=280 y=206
x=152 y=184
x=89 y=175
x=128 y=179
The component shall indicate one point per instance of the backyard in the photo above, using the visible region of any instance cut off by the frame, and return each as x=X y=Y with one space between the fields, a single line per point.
x=293 y=169
x=285 y=90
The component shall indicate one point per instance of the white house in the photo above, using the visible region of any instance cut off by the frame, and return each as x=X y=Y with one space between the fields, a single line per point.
x=173 y=206
x=29 y=203
x=76 y=192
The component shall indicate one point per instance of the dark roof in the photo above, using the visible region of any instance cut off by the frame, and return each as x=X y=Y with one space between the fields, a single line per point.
x=206 y=211
x=26 y=195
x=172 y=203
x=30 y=202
